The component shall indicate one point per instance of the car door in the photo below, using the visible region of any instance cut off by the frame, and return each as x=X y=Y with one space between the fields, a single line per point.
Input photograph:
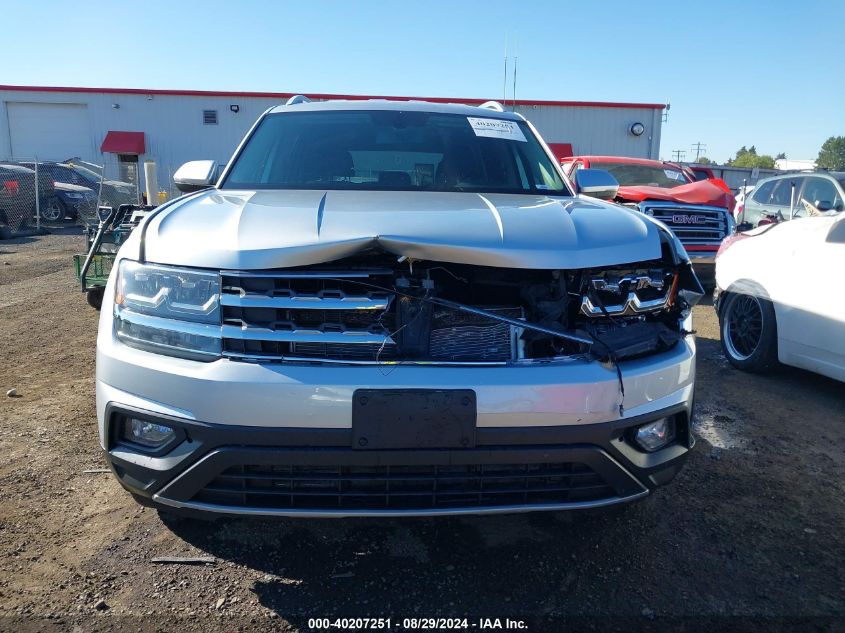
x=811 y=313
x=755 y=204
x=784 y=196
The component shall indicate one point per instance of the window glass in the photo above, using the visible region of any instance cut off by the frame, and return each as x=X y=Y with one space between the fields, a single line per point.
x=571 y=168
x=763 y=193
x=84 y=174
x=782 y=195
x=391 y=150
x=821 y=190
x=632 y=174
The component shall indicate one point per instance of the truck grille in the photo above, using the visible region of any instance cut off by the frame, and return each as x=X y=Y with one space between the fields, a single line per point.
x=405 y=487
x=273 y=316
x=694 y=225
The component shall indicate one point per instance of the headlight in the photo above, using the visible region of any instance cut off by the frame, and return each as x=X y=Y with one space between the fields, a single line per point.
x=167 y=310
x=74 y=196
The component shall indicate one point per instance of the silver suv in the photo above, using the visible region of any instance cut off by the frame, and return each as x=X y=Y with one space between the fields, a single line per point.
x=388 y=308
x=780 y=198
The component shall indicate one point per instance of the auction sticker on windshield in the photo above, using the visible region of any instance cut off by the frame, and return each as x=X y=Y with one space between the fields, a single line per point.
x=496 y=128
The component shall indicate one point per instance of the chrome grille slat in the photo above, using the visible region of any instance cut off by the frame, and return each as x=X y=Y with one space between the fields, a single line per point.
x=304 y=302
x=252 y=333
x=267 y=314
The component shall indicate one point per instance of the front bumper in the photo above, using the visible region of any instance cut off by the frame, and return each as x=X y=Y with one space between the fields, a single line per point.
x=319 y=473
x=276 y=439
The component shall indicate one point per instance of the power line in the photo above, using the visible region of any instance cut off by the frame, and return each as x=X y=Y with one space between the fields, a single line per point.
x=679 y=155
x=698 y=148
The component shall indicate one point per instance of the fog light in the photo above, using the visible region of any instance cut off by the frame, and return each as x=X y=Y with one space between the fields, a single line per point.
x=655 y=435
x=147 y=433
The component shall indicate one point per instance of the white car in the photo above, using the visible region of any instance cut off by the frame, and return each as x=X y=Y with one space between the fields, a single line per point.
x=777 y=299
x=742 y=194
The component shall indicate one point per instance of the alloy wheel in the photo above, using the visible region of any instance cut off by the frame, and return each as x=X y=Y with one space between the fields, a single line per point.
x=743 y=326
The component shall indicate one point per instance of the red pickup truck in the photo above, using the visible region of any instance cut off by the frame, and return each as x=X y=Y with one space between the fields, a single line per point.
x=698 y=212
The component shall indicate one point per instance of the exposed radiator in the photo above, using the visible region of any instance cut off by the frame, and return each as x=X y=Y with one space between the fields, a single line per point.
x=457 y=336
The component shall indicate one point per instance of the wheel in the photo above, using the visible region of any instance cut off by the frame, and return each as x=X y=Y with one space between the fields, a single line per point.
x=748 y=327
x=94 y=297
x=53 y=210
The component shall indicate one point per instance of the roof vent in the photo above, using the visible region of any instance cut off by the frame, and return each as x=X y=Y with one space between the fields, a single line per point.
x=493 y=105
x=298 y=99
x=209 y=117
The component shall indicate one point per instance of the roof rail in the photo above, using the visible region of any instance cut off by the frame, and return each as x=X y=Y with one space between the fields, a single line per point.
x=298 y=99
x=493 y=105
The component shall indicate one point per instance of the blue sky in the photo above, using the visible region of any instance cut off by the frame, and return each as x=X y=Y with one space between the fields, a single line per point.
x=769 y=74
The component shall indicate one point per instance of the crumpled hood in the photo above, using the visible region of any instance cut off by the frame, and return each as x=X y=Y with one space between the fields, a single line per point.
x=279 y=229
x=709 y=192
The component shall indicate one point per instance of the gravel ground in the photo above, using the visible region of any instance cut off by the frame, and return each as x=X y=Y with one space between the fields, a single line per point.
x=751 y=534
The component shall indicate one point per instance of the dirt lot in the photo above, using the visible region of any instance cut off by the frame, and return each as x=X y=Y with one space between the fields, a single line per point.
x=751 y=532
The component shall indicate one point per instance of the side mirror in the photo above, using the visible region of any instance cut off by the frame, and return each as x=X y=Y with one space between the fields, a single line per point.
x=596 y=183
x=823 y=205
x=195 y=175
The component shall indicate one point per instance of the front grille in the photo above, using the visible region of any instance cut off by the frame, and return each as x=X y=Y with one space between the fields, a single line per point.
x=339 y=316
x=695 y=225
x=403 y=487
x=321 y=315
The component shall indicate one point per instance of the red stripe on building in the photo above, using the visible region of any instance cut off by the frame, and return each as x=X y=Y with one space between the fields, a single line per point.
x=287 y=95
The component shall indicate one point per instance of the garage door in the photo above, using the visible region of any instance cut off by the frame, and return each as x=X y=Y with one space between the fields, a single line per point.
x=49 y=131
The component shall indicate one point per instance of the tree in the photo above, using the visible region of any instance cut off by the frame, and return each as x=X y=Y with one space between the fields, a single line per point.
x=703 y=160
x=781 y=156
x=748 y=157
x=832 y=154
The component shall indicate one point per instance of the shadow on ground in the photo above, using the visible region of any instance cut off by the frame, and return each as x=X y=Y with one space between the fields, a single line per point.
x=495 y=566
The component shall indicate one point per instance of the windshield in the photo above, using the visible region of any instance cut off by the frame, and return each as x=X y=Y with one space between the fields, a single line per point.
x=86 y=173
x=394 y=151
x=633 y=175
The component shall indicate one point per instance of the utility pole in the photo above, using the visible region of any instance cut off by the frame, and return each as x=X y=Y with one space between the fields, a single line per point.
x=679 y=155
x=505 y=76
x=698 y=148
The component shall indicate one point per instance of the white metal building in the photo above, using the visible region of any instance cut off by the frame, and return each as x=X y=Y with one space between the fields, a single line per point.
x=174 y=126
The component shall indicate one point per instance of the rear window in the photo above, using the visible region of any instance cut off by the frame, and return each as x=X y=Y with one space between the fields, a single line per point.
x=396 y=151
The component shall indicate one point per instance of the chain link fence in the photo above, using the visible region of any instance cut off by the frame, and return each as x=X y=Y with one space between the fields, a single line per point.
x=37 y=194
x=22 y=192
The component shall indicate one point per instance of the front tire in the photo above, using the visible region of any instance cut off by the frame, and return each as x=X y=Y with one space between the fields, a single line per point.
x=94 y=297
x=53 y=210
x=748 y=329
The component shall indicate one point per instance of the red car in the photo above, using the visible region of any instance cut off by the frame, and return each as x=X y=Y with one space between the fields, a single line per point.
x=698 y=212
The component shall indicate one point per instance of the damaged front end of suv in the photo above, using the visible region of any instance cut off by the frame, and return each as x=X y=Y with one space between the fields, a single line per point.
x=393 y=329
x=378 y=309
